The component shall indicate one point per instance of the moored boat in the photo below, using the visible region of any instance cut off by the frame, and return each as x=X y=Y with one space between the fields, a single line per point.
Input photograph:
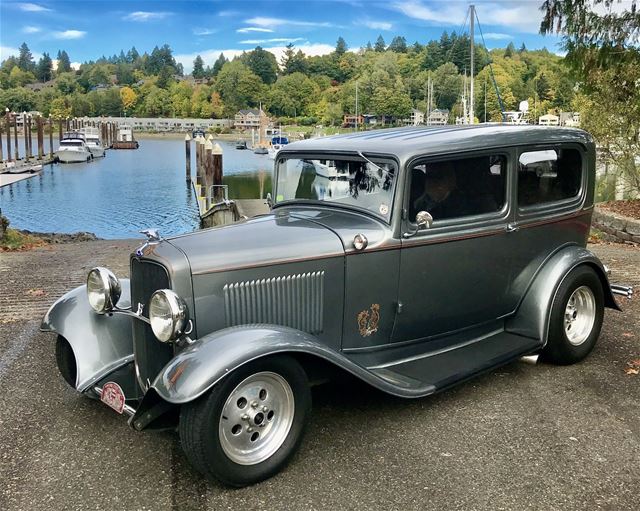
x=278 y=141
x=241 y=144
x=125 y=139
x=73 y=148
x=93 y=141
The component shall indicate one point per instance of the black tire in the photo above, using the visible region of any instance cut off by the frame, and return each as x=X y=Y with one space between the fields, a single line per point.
x=200 y=419
x=559 y=350
x=66 y=361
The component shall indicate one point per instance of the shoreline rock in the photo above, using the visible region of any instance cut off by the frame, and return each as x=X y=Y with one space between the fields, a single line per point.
x=56 y=237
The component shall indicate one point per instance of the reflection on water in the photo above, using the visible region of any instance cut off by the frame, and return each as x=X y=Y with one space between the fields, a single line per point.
x=117 y=196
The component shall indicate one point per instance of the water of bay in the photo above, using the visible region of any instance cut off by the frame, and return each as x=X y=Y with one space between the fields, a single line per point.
x=129 y=190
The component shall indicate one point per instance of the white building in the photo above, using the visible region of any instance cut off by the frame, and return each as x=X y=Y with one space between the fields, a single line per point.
x=438 y=117
x=164 y=124
x=249 y=119
x=416 y=118
x=549 y=120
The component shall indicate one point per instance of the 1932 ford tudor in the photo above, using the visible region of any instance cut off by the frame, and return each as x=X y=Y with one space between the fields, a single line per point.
x=412 y=258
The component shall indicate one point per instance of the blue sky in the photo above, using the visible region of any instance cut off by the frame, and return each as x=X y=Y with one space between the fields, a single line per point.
x=87 y=29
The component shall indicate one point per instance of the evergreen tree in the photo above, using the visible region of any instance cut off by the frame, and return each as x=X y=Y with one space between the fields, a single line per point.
x=287 y=58
x=217 y=65
x=398 y=45
x=341 y=47
x=45 y=68
x=508 y=53
x=198 y=68
x=369 y=46
x=132 y=55
x=64 y=64
x=262 y=63
x=380 y=44
x=522 y=49
x=542 y=87
x=25 y=58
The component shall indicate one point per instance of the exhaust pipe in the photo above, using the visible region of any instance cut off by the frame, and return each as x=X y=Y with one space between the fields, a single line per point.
x=618 y=289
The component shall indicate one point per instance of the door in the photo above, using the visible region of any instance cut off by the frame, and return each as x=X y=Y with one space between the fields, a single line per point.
x=454 y=274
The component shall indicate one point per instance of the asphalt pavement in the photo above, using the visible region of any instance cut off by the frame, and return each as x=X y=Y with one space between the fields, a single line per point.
x=522 y=437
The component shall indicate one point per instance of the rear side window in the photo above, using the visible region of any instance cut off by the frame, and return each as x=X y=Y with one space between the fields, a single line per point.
x=549 y=175
x=457 y=188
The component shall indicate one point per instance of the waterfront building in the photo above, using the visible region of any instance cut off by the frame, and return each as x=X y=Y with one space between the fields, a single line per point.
x=549 y=120
x=249 y=119
x=438 y=117
x=416 y=118
x=164 y=124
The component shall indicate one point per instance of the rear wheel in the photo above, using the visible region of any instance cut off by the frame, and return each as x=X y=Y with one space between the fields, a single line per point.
x=248 y=426
x=66 y=361
x=576 y=317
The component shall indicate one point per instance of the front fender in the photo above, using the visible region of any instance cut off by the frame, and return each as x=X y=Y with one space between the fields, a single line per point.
x=196 y=369
x=100 y=343
x=533 y=314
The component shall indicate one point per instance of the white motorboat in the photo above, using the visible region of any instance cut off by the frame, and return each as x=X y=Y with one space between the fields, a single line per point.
x=278 y=141
x=92 y=139
x=73 y=148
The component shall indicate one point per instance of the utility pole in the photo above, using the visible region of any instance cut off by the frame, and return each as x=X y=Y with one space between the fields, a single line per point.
x=472 y=13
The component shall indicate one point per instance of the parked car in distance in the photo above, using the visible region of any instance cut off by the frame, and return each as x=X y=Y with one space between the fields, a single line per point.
x=413 y=259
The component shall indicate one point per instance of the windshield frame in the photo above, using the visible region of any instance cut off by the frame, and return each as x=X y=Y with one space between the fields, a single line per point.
x=375 y=158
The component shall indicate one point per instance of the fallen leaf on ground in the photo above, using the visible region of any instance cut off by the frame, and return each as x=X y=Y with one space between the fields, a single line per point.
x=633 y=367
x=627 y=334
x=630 y=370
x=36 y=292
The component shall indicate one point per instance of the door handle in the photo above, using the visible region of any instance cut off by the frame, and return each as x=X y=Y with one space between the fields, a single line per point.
x=512 y=227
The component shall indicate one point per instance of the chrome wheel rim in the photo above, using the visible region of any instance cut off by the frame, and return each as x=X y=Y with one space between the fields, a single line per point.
x=580 y=315
x=256 y=418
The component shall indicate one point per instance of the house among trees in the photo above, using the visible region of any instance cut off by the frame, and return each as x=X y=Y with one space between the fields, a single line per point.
x=249 y=119
x=438 y=117
x=350 y=121
x=549 y=120
x=416 y=118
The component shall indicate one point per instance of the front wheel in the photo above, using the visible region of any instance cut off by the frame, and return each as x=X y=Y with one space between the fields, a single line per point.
x=576 y=317
x=248 y=426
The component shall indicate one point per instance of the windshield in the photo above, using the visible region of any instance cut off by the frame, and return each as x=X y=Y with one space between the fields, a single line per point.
x=354 y=182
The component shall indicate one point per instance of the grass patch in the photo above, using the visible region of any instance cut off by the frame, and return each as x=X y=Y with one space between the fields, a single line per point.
x=15 y=240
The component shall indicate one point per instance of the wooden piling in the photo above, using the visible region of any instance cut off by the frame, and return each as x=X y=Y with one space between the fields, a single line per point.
x=25 y=133
x=27 y=128
x=187 y=148
x=216 y=163
x=50 y=138
x=208 y=170
x=40 y=128
x=8 y=135
x=15 y=137
x=59 y=130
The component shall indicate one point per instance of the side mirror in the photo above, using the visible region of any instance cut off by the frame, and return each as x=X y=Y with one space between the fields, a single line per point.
x=424 y=220
x=269 y=200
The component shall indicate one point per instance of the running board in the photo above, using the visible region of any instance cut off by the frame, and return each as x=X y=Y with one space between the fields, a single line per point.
x=443 y=368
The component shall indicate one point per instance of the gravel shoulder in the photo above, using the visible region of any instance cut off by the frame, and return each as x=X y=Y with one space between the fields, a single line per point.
x=522 y=437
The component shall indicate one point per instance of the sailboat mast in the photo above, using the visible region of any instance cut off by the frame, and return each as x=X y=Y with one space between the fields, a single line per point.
x=472 y=15
x=356 y=105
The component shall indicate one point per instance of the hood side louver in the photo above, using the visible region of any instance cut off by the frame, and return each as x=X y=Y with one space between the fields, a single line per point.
x=295 y=301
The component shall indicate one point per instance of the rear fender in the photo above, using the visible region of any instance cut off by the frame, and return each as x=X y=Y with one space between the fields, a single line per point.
x=198 y=368
x=101 y=343
x=533 y=314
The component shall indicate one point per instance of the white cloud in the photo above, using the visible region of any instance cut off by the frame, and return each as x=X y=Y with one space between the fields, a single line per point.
x=8 y=51
x=272 y=40
x=279 y=22
x=523 y=16
x=146 y=16
x=229 y=13
x=210 y=56
x=377 y=25
x=246 y=30
x=31 y=30
x=29 y=7
x=497 y=36
x=69 y=34
x=204 y=31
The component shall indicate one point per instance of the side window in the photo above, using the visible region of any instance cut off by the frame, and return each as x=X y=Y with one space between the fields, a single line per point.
x=548 y=176
x=458 y=188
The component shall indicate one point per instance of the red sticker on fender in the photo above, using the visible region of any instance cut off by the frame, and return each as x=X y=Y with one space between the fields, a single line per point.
x=113 y=397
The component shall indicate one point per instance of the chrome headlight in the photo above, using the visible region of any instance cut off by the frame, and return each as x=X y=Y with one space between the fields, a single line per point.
x=103 y=290
x=168 y=315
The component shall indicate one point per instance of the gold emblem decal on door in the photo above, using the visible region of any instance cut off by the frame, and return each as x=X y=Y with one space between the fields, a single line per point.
x=368 y=320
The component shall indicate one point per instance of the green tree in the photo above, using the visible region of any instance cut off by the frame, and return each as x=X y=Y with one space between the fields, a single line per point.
x=25 y=58
x=217 y=65
x=60 y=109
x=398 y=44
x=198 y=68
x=64 y=64
x=380 y=44
x=19 y=78
x=18 y=99
x=239 y=87
x=341 y=47
x=45 y=68
x=263 y=64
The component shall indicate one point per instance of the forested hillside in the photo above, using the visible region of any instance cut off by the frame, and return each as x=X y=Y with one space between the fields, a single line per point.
x=391 y=80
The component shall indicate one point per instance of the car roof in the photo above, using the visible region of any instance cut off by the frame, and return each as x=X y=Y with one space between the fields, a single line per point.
x=405 y=143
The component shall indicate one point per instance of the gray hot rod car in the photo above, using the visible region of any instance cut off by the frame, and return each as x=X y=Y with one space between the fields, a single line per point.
x=412 y=258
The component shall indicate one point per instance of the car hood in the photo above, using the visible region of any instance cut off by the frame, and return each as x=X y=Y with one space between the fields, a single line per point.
x=279 y=237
